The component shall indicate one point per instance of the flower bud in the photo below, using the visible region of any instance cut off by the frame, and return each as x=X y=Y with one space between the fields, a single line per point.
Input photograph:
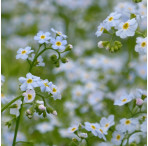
x=14 y=106
x=55 y=113
x=69 y=47
x=28 y=112
x=53 y=58
x=64 y=60
x=100 y=45
x=132 y=16
x=29 y=116
x=41 y=107
x=49 y=110
x=139 y=101
x=74 y=140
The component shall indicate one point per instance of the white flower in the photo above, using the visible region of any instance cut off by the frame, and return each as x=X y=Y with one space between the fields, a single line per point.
x=58 y=43
x=96 y=129
x=55 y=92
x=58 y=32
x=92 y=127
x=15 y=111
x=73 y=128
x=23 y=53
x=123 y=100
x=112 y=20
x=30 y=82
x=107 y=122
x=29 y=96
x=129 y=125
x=4 y=99
x=42 y=37
x=117 y=137
x=144 y=126
x=44 y=127
x=100 y=29
x=141 y=46
x=128 y=28
x=45 y=85
x=95 y=97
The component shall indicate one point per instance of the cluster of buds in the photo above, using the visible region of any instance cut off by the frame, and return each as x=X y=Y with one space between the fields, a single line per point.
x=56 y=60
x=111 y=48
x=40 y=109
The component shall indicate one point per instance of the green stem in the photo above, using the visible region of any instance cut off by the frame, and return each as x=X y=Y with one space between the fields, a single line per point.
x=35 y=58
x=140 y=33
x=144 y=112
x=17 y=123
x=5 y=107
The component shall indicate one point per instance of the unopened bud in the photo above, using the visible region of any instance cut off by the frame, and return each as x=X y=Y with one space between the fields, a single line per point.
x=28 y=112
x=53 y=58
x=64 y=60
x=139 y=101
x=69 y=47
x=29 y=116
x=74 y=140
x=55 y=113
x=41 y=107
x=100 y=45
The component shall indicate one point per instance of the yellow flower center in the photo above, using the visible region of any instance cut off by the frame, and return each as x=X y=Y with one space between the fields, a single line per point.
x=126 y=26
x=42 y=36
x=143 y=44
x=59 y=33
x=2 y=95
x=46 y=84
x=111 y=18
x=54 y=90
x=29 y=96
x=118 y=137
x=73 y=129
x=93 y=127
x=102 y=28
x=101 y=130
x=124 y=100
x=127 y=122
x=23 y=52
x=29 y=81
x=58 y=43
x=107 y=125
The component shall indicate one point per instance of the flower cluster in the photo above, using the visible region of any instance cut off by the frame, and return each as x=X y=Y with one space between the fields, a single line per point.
x=123 y=23
x=57 y=43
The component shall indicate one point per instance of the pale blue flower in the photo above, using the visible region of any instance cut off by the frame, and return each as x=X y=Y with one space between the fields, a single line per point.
x=42 y=37
x=58 y=43
x=23 y=53
x=45 y=85
x=128 y=28
x=30 y=82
